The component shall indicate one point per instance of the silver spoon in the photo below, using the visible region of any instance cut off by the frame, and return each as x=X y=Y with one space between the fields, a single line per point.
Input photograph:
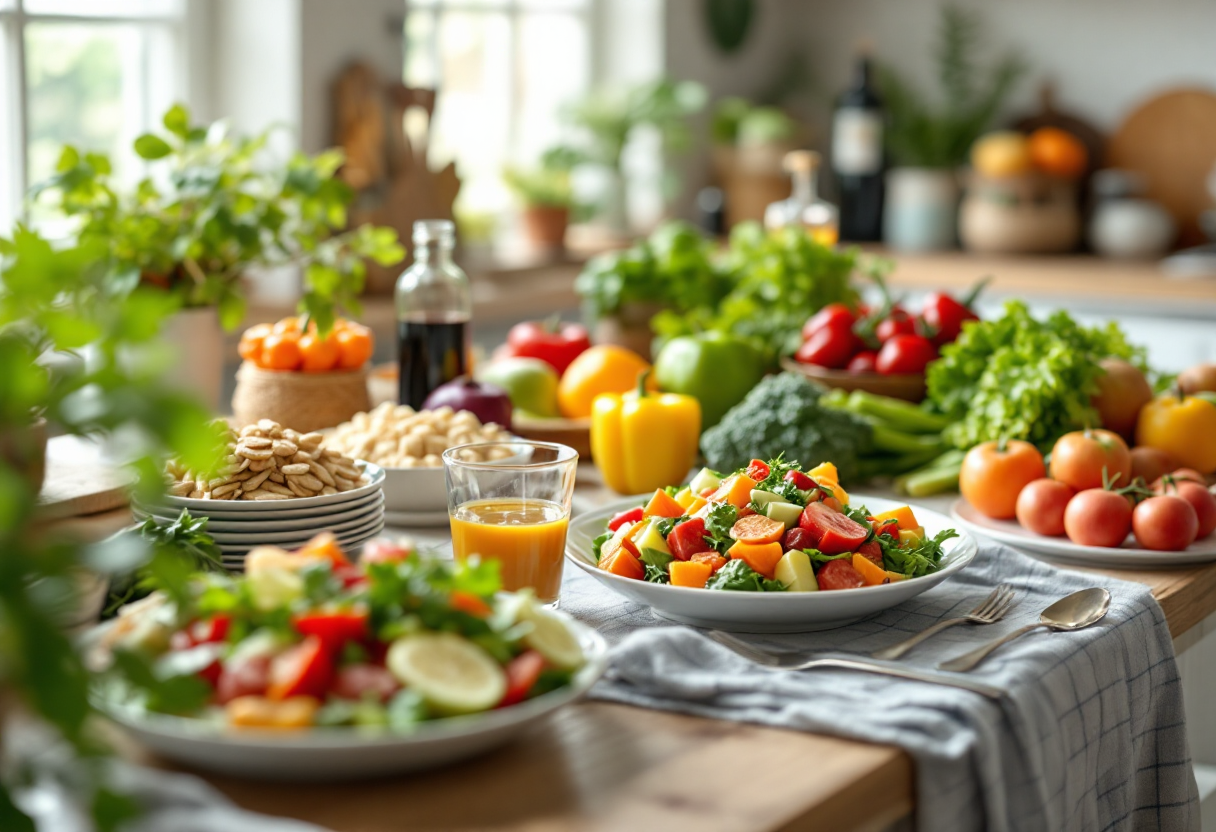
x=1072 y=612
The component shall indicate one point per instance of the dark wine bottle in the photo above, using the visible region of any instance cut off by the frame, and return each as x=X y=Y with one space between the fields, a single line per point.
x=857 y=156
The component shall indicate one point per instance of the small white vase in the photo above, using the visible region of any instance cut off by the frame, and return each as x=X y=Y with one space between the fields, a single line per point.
x=197 y=343
x=920 y=210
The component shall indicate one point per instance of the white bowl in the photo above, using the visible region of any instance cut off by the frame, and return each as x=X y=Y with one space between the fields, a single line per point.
x=418 y=490
x=345 y=753
x=767 y=612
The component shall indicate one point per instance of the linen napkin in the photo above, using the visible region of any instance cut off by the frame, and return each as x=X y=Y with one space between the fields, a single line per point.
x=1091 y=735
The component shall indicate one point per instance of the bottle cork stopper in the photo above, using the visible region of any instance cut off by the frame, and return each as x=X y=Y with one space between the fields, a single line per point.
x=797 y=161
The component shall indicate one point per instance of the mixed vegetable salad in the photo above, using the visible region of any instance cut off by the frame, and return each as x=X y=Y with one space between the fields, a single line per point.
x=308 y=638
x=769 y=527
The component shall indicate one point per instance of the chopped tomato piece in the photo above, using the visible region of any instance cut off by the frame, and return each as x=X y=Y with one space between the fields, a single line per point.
x=213 y=629
x=839 y=574
x=383 y=550
x=634 y=515
x=522 y=673
x=335 y=628
x=758 y=470
x=800 y=480
x=888 y=527
x=303 y=670
x=249 y=677
x=832 y=532
x=688 y=539
x=359 y=681
x=872 y=552
x=797 y=539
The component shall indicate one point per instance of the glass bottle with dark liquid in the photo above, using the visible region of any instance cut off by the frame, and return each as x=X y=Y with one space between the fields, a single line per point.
x=434 y=305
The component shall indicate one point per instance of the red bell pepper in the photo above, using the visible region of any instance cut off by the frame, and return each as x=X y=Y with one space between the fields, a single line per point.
x=800 y=480
x=551 y=341
x=634 y=515
x=303 y=670
x=758 y=470
x=333 y=628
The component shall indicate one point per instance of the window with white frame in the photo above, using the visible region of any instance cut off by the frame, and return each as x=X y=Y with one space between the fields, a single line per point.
x=93 y=73
x=503 y=70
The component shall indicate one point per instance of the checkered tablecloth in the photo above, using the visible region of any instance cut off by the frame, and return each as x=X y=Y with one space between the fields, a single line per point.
x=1090 y=737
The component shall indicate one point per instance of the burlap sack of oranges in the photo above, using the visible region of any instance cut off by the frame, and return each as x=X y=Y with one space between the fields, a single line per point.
x=285 y=346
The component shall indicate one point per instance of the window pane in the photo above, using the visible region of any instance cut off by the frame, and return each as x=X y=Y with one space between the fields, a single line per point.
x=553 y=72
x=94 y=86
x=107 y=8
x=10 y=136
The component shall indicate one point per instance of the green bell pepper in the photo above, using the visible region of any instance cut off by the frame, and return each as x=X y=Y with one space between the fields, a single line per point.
x=716 y=368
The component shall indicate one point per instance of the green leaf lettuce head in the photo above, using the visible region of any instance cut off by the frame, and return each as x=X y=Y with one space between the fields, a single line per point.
x=783 y=415
x=1016 y=377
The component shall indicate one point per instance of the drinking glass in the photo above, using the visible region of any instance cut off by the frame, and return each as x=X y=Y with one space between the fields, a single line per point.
x=510 y=502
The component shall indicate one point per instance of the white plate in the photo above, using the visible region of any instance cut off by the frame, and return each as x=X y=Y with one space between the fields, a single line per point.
x=1063 y=550
x=413 y=518
x=253 y=517
x=346 y=753
x=346 y=540
x=257 y=522
x=376 y=513
x=767 y=612
x=374 y=472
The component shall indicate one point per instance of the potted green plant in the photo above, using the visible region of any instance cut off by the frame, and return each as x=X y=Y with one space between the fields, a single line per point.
x=608 y=119
x=547 y=196
x=929 y=143
x=212 y=208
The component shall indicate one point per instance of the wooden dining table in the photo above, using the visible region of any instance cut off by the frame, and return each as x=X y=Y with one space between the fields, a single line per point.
x=599 y=766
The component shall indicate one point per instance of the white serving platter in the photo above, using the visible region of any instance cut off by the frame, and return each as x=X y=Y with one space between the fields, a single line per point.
x=767 y=612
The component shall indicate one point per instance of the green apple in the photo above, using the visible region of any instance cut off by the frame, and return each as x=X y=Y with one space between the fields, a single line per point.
x=530 y=382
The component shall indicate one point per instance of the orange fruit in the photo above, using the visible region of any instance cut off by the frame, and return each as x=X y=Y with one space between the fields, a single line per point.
x=287 y=325
x=354 y=346
x=281 y=351
x=605 y=368
x=251 y=342
x=1058 y=152
x=318 y=355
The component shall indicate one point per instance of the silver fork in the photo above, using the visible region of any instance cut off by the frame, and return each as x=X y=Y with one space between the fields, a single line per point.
x=989 y=611
x=790 y=662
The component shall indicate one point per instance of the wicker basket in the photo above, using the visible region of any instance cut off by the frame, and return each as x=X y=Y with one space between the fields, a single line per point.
x=303 y=401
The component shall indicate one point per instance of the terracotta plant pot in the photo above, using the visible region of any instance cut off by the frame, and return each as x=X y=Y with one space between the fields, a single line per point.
x=629 y=327
x=302 y=401
x=545 y=226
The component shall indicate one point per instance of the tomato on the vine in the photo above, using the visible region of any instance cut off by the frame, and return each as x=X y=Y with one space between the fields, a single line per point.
x=897 y=322
x=863 y=362
x=945 y=316
x=831 y=346
x=1096 y=517
x=1091 y=458
x=905 y=354
x=834 y=314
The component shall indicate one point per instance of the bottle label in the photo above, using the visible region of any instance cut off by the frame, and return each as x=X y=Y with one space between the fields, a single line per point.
x=857 y=142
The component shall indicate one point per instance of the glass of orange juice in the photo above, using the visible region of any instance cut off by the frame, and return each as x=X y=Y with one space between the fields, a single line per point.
x=510 y=502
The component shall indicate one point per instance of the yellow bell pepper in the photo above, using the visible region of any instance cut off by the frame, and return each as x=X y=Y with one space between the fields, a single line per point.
x=641 y=440
x=1182 y=426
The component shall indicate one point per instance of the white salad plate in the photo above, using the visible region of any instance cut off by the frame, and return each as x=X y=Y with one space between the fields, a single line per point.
x=257 y=522
x=767 y=612
x=1062 y=550
x=316 y=505
x=333 y=754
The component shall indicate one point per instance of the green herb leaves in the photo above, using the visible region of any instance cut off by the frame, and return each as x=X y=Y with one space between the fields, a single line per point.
x=737 y=576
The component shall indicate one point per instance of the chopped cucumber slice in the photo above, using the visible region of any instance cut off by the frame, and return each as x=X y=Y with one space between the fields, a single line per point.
x=763 y=497
x=551 y=638
x=704 y=479
x=451 y=673
x=651 y=538
x=274 y=587
x=794 y=570
x=913 y=537
x=786 y=513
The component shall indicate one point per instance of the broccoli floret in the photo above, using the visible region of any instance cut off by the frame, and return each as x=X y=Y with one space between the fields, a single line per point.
x=782 y=415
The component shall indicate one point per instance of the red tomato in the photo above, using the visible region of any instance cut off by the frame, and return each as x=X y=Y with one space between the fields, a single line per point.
x=758 y=470
x=1040 y=506
x=945 y=316
x=553 y=342
x=357 y=681
x=1200 y=499
x=839 y=574
x=383 y=550
x=469 y=603
x=863 y=362
x=992 y=478
x=522 y=673
x=303 y=670
x=898 y=322
x=1082 y=457
x=833 y=504
x=800 y=480
x=213 y=629
x=249 y=677
x=888 y=527
x=797 y=539
x=688 y=539
x=832 y=532
x=831 y=347
x=1166 y=523
x=334 y=629
x=1096 y=517
x=1188 y=474
x=904 y=355
x=634 y=515
x=834 y=314
x=871 y=551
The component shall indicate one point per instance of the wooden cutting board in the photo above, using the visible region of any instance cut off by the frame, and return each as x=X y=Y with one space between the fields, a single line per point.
x=1171 y=141
x=79 y=481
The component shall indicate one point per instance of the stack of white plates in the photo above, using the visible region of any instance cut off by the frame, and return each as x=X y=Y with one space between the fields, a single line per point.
x=237 y=526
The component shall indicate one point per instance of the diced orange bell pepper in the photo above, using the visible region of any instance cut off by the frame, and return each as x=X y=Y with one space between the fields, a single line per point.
x=624 y=564
x=689 y=573
x=902 y=515
x=662 y=505
x=685 y=497
x=871 y=574
x=714 y=560
x=824 y=471
x=294 y=713
x=696 y=505
x=736 y=490
x=762 y=557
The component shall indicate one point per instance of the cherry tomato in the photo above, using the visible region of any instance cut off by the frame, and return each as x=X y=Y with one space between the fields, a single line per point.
x=839 y=574
x=1096 y=517
x=1080 y=458
x=832 y=532
x=1166 y=523
x=303 y=670
x=888 y=527
x=633 y=515
x=248 y=677
x=1188 y=474
x=835 y=314
x=1150 y=464
x=945 y=316
x=831 y=346
x=758 y=470
x=871 y=551
x=356 y=681
x=1040 y=506
x=863 y=362
x=991 y=477
x=522 y=673
x=1202 y=500
x=905 y=354
x=800 y=480
x=898 y=322
x=797 y=539
x=334 y=629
